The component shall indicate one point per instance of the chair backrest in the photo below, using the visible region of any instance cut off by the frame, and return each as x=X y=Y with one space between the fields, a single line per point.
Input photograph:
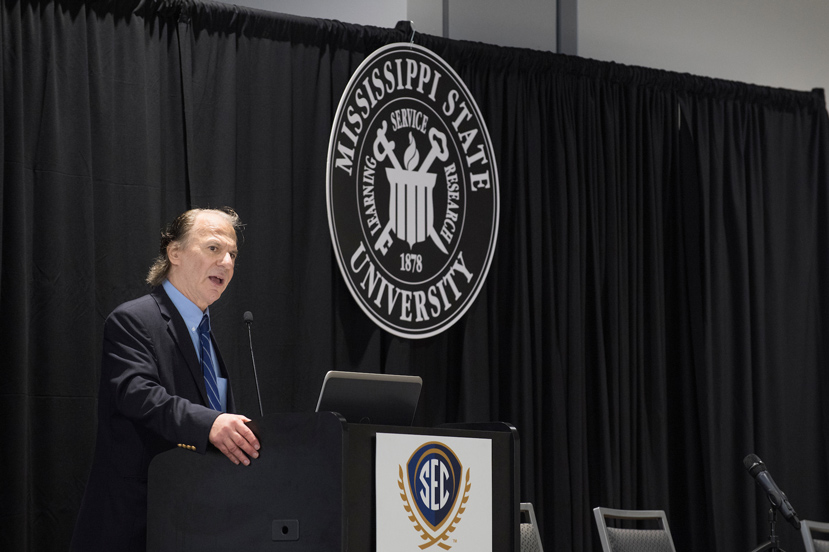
x=617 y=539
x=812 y=542
x=530 y=538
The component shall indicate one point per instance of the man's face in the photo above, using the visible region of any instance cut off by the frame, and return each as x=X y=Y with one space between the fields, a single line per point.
x=202 y=265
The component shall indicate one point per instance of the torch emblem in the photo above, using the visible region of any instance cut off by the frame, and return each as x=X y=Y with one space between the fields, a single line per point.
x=411 y=201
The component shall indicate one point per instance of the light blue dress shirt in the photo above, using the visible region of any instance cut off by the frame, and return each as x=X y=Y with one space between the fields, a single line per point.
x=192 y=318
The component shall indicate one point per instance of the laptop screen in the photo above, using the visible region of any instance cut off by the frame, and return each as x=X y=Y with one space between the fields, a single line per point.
x=381 y=399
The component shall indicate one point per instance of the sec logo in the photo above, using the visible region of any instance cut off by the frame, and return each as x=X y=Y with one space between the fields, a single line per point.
x=412 y=192
x=438 y=492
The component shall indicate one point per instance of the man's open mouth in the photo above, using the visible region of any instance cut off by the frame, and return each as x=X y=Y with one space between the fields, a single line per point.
x=216 y=280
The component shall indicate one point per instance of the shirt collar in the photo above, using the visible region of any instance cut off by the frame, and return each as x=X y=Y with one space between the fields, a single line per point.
x=188 y=310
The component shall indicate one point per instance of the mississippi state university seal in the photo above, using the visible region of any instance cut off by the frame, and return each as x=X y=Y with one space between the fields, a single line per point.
x=412 y=191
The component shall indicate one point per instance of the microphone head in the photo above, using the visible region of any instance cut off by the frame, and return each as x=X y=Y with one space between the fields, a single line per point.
x=248 y=316
x=795 y=521
x=754 y=465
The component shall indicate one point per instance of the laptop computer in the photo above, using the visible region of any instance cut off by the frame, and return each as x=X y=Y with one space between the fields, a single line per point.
x=364 y=398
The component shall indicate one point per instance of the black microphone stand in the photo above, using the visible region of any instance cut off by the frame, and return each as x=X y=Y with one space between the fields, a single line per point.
x=774 y=540
x=248 y=322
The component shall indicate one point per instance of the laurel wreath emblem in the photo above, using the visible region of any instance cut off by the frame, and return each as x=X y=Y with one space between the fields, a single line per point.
x=444 y=536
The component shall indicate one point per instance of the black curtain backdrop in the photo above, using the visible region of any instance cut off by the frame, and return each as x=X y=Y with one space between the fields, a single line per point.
x=654 y=312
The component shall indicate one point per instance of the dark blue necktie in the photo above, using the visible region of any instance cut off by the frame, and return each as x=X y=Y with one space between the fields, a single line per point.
x=207 y=364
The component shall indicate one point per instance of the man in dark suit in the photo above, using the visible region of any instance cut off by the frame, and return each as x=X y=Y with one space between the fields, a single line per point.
x=163 y=381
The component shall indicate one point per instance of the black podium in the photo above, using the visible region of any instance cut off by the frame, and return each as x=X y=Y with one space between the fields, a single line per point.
x=311 y=489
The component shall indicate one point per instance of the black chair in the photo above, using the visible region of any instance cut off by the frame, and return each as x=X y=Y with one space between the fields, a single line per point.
x=624 y=539
x=530 y=538
x=808 y=529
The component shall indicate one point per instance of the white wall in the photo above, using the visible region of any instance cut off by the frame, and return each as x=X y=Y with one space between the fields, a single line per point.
x=378 y=13
x=519 y=23
x=781 y=43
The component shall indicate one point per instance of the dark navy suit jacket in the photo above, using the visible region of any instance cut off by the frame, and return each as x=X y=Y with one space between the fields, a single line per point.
x=151 y=398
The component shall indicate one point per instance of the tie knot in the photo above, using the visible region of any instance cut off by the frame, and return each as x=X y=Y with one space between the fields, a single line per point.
x=204 y=325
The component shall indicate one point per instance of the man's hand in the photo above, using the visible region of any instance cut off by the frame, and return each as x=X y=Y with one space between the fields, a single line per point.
x=230 y=435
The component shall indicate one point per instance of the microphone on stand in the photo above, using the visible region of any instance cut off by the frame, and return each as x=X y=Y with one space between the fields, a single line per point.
x=248 y=316
x=757 y=469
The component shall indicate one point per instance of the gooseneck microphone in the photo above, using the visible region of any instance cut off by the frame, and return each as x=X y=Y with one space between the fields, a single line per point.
x=757 y=469
x=248 y=316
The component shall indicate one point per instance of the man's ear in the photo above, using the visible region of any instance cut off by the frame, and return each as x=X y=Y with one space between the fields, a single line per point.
x=174 y=253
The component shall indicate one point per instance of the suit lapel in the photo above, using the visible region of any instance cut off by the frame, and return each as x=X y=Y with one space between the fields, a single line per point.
x=181 y=336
